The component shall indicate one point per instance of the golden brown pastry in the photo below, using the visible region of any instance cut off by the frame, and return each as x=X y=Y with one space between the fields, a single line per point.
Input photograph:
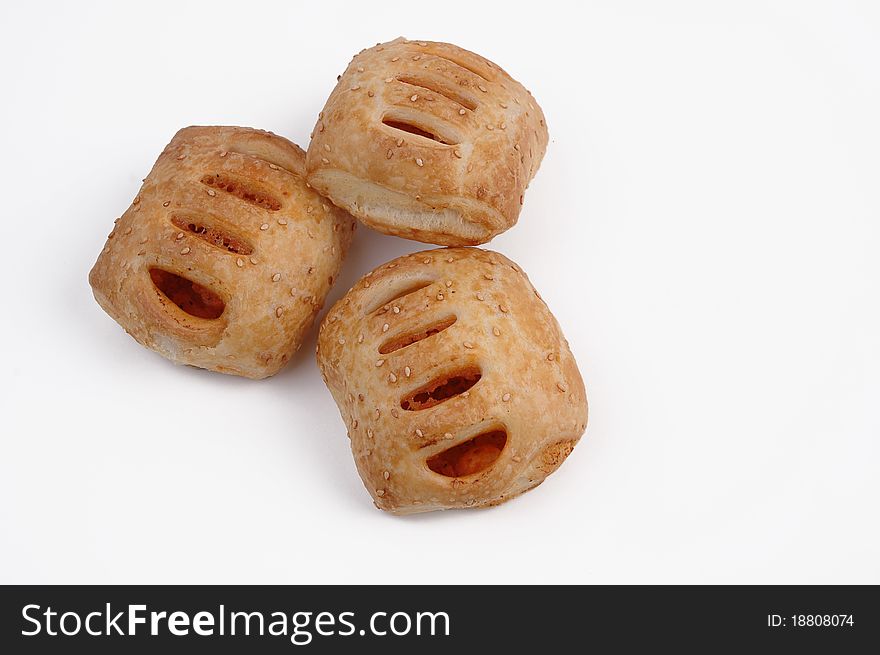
x=428 y=141
x=454 y=379
x=225 y=256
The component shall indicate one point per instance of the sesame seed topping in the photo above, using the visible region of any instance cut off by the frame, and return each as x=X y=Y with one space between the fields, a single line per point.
x=360 y=69
x=380 y=492
x=516 y=458
x=386 y=474
x=426 y=260
x=324 y=160
x=462 y=112
x=212 y=193
x=370 y=94
x=166 y=203
x=419 y=433
x=385 y=327
x=264 y=226
x=480 y=296
x=481 y=88
x=224 y=153
x=503 y=106
x=370 y=431
x=468 y=344
x=414 y=97
x=489 y=126
x=505 y=398
x=378 y=414
x=179 y=157
x=503 y=308
x=392 y=378
x=395 y=413
x=448 y=283
x=389 y=154
x=355 y=87
x=419 y=161
x=379 y=362
x=276 y=277
x=341 y=341
x=388 y=79
x=275 y=167
x=551 y=357
x=488 y=276
x=279 y=311
x=496 y=331
x=327 y=147
x=457 y=153
x=321 y=127
x=407 y=371
x=561 y=387
x=253 y=260
x=395 y=59
x=400 y=142
x=395 y=309
x=239 y=262
x=361 y=337
x=439 y=296
x=417 y=57
x=282 y=221
x=448 y=435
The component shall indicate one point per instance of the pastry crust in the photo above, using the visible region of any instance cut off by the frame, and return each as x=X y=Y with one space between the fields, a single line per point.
x=454 y=380
x=461 y=181
x=224 y=258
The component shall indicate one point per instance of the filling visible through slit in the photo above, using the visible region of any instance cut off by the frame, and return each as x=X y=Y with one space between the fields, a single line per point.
x=213 y=236
x=441 y=389
x=404 y=340
x=469 y=457
x=404 y=126
x=191 y=297
x=242 y=190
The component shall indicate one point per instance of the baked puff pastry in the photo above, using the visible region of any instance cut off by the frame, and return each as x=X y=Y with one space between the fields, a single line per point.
x=225 y=256
x=428 y=141
x=454 y=379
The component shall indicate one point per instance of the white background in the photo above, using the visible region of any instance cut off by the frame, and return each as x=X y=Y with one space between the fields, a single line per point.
x=704 y=227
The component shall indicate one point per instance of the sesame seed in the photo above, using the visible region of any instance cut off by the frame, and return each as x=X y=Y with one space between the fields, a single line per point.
x=239 y=262
x=388 y=79
x=279 y=311
x=439 y=296
x=468 y=344
x=395 y=59
x=275 y=167
x=321 y=127
x=224 y=153
x=253 y=260
x=426 y=260
x=282 y=221
x=324 y=160
x=361 y=337
x=179 y=236
x=417 y=57
x=489 y=126
x=341 y=341
x=503 y=308
x=185 y=251
x=395 y=309
x=414 y=97
x=407 y=371
x=419 y=433
x=360 y=69
x=400 y=142
x=327 y=147
x=561 y=387
x=395 y=413
x=355 y=87
x=448 y=283
x=389 y=154
x=212 y=193
x=166 y=203
x=264 y=226
x=379 y=362
x=386 y=474
x=354 y=424
x=385 y=328
x=392 y=378
x=378 y=414
x=370 y=94
x=462 y=112
x=179 y=157
x=457 y=153
x=480 y=296
x=503 y=106
x=505 y=398
x=419 y=161
x=276 y=277
x=551 y=357
x=488 y=276
x=516 y=146
x=516 y=458
x=496 y=331
x=380 y=492
x=370 y=431
x=448 y=435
